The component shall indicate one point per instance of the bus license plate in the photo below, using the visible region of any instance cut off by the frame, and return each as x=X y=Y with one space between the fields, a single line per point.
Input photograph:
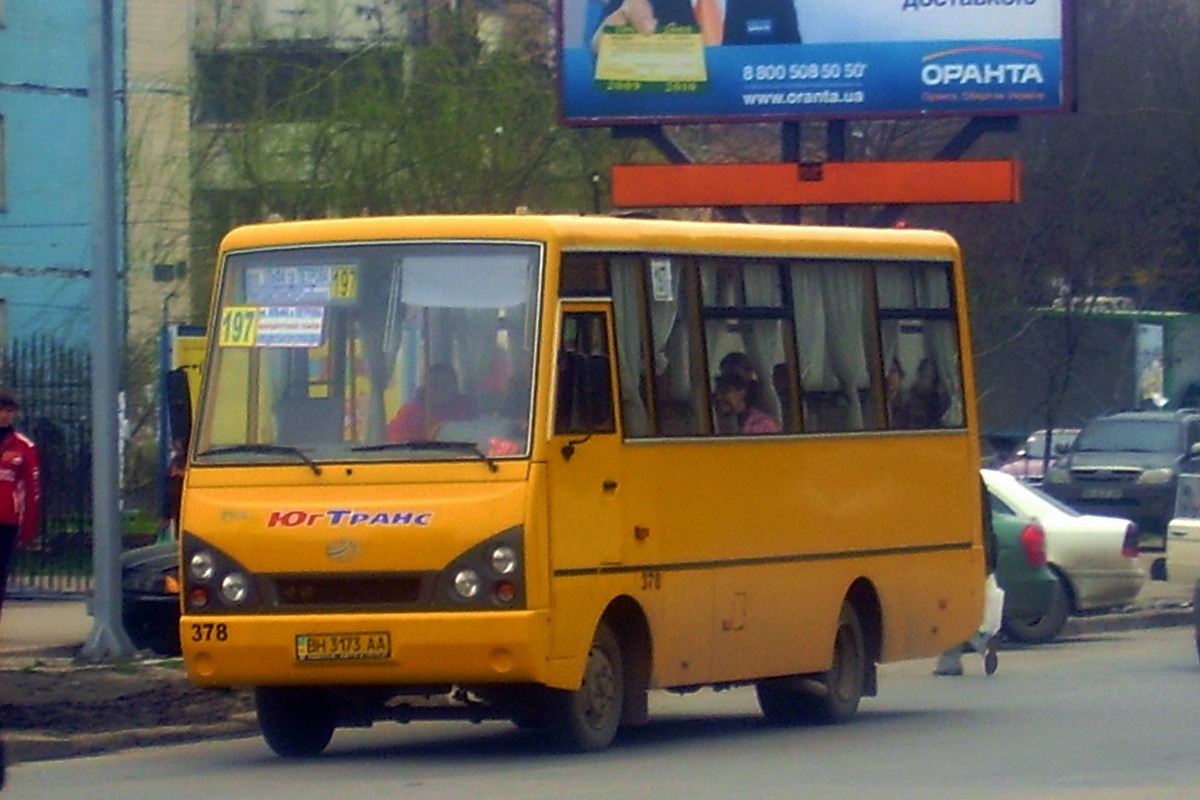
x=343 y=646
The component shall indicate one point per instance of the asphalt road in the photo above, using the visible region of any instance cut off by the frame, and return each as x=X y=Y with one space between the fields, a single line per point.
x=1098 y=716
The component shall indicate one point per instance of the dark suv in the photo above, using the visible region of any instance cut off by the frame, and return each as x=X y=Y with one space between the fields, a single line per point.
x=1127 y=465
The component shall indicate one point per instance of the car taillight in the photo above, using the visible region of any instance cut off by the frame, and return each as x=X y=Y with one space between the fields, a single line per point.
x=1033 y=544
x=1129 y=547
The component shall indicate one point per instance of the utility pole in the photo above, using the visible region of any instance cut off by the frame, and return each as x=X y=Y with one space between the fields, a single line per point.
x=108 y=639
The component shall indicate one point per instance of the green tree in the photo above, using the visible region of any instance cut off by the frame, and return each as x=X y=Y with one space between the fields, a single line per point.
x=450 y=124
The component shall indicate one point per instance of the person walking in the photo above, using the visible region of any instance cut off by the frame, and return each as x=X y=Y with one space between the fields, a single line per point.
x=984 y=639
x=20 y=488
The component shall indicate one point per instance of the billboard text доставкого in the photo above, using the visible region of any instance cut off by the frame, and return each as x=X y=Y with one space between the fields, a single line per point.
x=651 y=61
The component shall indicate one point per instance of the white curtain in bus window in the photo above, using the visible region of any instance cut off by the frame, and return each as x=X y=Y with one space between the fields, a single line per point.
x=920 y=346
x=832 y=344
x=627 y=308
x=677 y=403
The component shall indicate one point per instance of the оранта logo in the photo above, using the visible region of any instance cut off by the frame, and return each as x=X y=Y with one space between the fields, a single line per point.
x=990 y=66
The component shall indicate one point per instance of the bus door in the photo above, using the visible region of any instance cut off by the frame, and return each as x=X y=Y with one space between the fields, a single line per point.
x=584 y=473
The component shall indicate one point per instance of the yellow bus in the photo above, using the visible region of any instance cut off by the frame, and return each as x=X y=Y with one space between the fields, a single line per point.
x=532 y=467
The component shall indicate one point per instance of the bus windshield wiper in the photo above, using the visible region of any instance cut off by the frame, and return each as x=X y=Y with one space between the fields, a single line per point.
x=470 y=447
x=286 y=449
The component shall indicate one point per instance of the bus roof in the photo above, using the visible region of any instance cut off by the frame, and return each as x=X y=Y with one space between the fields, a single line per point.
x=570 y=232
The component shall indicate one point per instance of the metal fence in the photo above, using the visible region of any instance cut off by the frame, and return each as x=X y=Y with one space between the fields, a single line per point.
x=53 y=382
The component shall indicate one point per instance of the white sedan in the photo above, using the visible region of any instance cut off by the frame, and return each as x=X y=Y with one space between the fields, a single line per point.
x=1094 y=557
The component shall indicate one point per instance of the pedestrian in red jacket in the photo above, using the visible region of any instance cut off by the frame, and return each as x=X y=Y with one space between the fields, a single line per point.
x=20 y=488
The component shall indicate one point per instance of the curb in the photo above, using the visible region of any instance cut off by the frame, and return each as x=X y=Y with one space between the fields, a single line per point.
x=1171 y=616
x=32 y=746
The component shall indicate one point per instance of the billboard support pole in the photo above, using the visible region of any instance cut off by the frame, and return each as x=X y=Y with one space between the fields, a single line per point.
x=835 y=150
x=789 y=152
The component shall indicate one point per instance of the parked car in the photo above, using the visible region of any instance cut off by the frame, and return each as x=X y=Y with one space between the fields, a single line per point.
x=1127 y=465
x=1029 y=585
x=1028 y=462
x=1183 y=533
x=150 y=597
x=1093 y=558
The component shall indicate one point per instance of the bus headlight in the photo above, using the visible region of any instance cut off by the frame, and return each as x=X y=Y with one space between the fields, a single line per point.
x=234 y=588
x=504 y=560
x=466 y=583
x=202 y=565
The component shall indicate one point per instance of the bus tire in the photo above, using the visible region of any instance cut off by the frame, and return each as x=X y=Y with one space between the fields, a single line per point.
x=586 y=720
x=296 y=722
x=828 y=697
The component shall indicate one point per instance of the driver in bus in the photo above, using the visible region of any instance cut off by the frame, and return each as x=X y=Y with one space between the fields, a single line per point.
x=438 y=401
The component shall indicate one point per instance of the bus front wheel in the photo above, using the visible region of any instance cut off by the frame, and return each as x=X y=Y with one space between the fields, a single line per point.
x=828 y=697
x=296 y=722
x=586 y=719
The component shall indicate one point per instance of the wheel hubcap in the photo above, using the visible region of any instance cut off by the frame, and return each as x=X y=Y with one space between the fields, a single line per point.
x=599 y=688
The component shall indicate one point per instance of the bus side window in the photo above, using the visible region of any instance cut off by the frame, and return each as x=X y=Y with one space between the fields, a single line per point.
x=584 y=401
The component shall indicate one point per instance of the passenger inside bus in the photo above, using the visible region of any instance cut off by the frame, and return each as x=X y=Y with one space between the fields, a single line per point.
x=737 y=411
x=922 y=404
x=433 y=404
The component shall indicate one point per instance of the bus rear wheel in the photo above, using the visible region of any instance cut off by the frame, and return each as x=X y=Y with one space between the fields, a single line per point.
x=586 y=719
x=296 y=721
x=826 y=698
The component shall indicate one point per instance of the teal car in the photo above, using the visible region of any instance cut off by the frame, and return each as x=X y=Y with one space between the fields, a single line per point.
x=1021 y=568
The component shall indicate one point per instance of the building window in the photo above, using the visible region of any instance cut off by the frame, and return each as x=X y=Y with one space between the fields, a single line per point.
x=300 y=83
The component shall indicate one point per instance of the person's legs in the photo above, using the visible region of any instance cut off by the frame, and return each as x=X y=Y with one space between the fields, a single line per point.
x=8 y=546
x=950 y=662
x=991 y=659
x=985 y=645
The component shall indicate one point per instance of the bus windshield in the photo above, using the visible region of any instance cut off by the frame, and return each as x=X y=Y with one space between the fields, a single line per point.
x=362 y=352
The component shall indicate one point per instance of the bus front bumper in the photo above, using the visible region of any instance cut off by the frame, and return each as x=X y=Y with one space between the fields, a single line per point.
x=373 y=649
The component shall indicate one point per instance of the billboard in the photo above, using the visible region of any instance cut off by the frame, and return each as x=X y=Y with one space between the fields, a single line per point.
x=653 y=61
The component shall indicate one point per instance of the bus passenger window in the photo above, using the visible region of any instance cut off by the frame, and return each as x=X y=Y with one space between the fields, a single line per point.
x=919 y=339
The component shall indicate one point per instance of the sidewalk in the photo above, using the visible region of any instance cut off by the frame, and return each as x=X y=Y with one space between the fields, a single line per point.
x=43 y=628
